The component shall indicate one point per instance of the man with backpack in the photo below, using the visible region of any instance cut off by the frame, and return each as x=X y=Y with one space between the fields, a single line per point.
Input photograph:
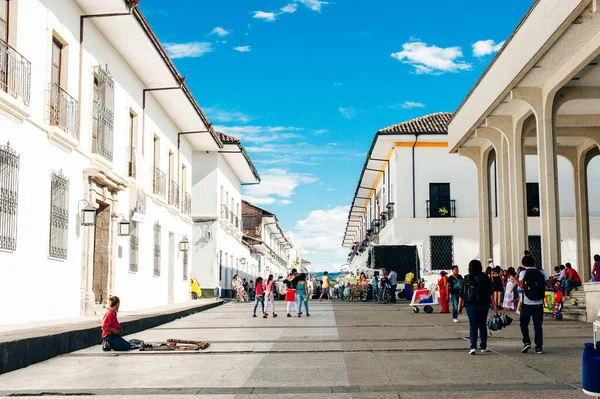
x=455 y=284
x=533 y=282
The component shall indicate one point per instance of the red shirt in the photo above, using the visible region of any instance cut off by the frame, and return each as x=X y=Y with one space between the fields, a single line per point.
x=259 y=289
x=573 y=275
x=110 y=320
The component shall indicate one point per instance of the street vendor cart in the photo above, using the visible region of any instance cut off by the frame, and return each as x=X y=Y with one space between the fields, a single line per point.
x=425 y=297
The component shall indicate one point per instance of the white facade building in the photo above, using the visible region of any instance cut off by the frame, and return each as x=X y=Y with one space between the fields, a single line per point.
x=218 y=249
x=429 y=199
x=98 y=127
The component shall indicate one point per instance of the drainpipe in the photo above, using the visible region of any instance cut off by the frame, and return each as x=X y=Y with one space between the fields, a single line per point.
x=413 y=177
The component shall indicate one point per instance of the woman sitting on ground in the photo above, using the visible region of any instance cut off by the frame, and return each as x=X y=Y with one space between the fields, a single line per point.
x=111 y=328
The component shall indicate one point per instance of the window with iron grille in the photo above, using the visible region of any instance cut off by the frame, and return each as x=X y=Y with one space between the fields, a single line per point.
x=156 y=249
x=103 y=113
x=441 y=252
x=59 y=215
x=185 y=265
x=535 y=246
x=134 y=242
x=9 y=196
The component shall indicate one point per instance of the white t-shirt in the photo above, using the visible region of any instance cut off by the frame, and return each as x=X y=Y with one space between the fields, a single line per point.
x=526 y=300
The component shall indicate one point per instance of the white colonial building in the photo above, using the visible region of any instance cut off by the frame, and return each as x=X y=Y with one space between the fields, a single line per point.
x=95 y=123
x=218 y=249
x=413 y=192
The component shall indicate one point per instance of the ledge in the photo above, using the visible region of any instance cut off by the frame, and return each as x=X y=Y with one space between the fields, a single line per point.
x=12 y=108
x=62 y=139
x=157 y=199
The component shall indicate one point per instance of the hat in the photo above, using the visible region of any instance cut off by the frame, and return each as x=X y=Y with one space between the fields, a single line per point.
x=443 y=273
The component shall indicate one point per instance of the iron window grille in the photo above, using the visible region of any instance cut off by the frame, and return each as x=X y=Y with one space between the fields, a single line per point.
x=187 y=204
x=224 y=212
x=9 y=197
x=185 y=265
x=62 y=110
x=157 y=230
x=15 y=73
x=441 y=252
x=59 y=215
x=441 y=208
x=160 y=182
x=131 y=164
x=535 y=246
x=134 y=244
x=174 y=194
x=103 y=113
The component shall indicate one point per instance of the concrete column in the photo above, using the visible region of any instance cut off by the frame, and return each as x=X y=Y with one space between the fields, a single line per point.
x=500 y=145
x=481 y=156
x=542 y=106
x=513 y=133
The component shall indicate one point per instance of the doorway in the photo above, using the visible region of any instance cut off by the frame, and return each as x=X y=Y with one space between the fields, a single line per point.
x=171 y=276
x=101 y=254
x=439 y=200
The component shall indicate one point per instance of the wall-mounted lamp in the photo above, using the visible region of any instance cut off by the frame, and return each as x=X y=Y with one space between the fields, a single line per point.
x=184 y=244
x=124 y=227
x=242 y=261
x=88 y=214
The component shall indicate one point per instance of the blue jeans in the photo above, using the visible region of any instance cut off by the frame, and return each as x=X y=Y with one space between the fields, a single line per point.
x=117 y=343
x=374 y=293
x=302 y=298
x=535 y=312
x=454 y=299
x=477 y=324
x=393 y=293
x=261 y=299
x=569 y=285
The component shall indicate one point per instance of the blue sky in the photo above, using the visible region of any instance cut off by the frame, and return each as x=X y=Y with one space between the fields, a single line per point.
x=305 y=84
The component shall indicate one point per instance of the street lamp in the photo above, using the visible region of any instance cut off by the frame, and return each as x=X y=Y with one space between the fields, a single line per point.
x=184 y=244
x=88 y=214
x=243 y=261
x=124 y=227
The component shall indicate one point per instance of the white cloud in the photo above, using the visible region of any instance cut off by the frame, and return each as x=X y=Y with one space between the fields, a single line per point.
x=320 y=132
x=226 y=116
x=242 y=49
x=290 y=8
x=431 y=59
x=405 y=105
x=266 y=16
x=260 y=201
x=261 y=134
x=277 y=185
x=338 y=84
x=219 y=31
x=314 y=5
x=348 y=113
x=486 y=47
x=319 y=237
x=185 y=50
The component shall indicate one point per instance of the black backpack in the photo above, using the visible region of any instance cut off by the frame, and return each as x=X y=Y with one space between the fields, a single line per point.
x=471 y=290
x=535 y=285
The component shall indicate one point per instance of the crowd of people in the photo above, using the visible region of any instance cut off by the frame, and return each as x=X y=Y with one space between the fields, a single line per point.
x=297 y=294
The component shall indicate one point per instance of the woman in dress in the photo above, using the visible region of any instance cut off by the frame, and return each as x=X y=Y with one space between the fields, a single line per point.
x=443 y=288
x=302 y=294
x=510 y=298
x=497 y=285
x=269 y=296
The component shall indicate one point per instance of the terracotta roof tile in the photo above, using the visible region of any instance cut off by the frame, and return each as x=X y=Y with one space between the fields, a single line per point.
x=227 y=139
x=429 y=124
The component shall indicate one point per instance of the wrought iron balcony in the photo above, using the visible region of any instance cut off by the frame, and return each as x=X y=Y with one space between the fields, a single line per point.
x=236 y=221
x=390 y=212
x=62 y=110
x=131 y=161
x=224 y=212
x=160 y=183
x=15 y=73
x=441 y=209
x=187 y=204
x=174 y=194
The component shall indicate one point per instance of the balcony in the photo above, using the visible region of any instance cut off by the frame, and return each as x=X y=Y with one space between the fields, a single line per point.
x=174 y=194
x=62 y=110
x=131 y=166
x=224 y=212
x=187 y=204
x=159 y=183
x=390 y=211
x=441 y=209
x=15 y=73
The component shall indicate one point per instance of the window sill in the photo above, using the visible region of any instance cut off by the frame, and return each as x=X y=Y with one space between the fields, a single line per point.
x=173 y=210
x=186 y=218
x=14 y=109
x=157 y=199
x=62 y=139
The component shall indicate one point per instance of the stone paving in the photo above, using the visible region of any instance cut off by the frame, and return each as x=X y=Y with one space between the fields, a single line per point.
x=344 y=350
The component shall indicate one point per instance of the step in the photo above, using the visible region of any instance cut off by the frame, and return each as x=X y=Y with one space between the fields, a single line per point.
x=575 y=317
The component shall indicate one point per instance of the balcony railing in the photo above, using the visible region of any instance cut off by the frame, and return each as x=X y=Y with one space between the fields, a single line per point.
x=187 y=204
x=15 y=73
x=390 y=211
x=174 y=194
x=441 y=209
x=131 y=161
x=160 y=183
x=62 y=110
x=224 y=212
x=236 y=221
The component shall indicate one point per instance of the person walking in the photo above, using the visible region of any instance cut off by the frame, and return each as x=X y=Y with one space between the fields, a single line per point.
x=325 y=289
x=443 y=290
x=290 y=293
x=455 y=284
x=476 y=297
x=393 y=278
x=259 y=297
x=596 y=269
x=302 y=294
x=269 y=296
x=111 y=328
x=533 y=282
x=374 y=284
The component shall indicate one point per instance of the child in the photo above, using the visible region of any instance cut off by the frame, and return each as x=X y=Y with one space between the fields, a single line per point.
x=259 y=297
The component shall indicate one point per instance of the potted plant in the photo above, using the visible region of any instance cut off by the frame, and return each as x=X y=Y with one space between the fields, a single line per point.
x=443 y=211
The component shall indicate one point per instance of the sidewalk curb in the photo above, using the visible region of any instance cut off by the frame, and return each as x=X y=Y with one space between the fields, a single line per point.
x=21 y=353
